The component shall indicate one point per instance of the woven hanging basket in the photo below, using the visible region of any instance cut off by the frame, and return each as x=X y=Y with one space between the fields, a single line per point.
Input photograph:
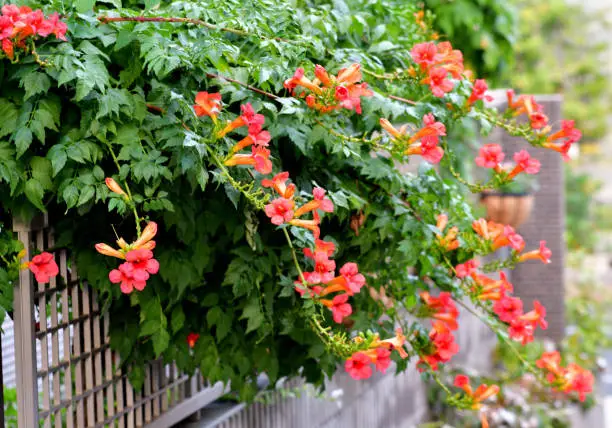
x=508 y=208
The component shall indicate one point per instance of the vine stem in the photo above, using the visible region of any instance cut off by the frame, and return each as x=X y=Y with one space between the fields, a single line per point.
x=404 y=100
x=373 y=142
x=250 y=87
x=294 y=255
x=108 y=19
x=127 y=189
x=506 y=341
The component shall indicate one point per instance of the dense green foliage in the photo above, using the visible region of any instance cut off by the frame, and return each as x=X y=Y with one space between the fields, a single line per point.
x=117 y=100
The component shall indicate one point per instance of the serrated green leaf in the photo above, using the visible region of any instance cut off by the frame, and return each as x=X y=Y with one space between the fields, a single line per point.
x=87 y=193
x=161 y=339
x=34 y=192
x=83 y=6
x=71 y=195
x=41 y=171
x=58 y=157
x=23 y=139
x=35 y=83
x=177 y=319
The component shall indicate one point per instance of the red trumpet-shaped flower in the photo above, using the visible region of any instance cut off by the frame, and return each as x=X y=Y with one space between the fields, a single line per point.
x=438 y=82
x=443 y=347
x=448 y=242
x=544 y=254
x=508 y=308
x=466 y=269
x=259 y=158
x=524 y=163
x=479 y=92
x=143 y=264
x=124 y=275
x=509 y=237
x=442 y=308
x=490 y=156
x=259 y=139
x=207 y=104
x=350 y=280
x=319 y=202
x=358 y=366
x=44 y=267
x=192 y=339
x=278 y=183
x=248 y=118
x=280 y=211
x=482 y=393
x=339 y=307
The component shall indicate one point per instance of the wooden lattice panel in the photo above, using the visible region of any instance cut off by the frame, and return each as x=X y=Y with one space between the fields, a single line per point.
x=67 y=375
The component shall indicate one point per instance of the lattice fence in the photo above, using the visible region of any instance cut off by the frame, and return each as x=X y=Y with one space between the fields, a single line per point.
x=67 y=375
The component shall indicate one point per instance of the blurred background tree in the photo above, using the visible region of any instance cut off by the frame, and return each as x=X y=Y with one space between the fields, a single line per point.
x=560 y=49
x=486 y=30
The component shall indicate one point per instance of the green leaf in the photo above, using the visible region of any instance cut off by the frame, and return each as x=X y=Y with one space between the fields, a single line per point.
x=83 y=6
x=87 y=193
x=41 y=171
x=161 y=339
x=178 y=319
x=35 y=83
x=23 y=139
x=9 y=115
x=253 y=314
x=34 y=192
x=58 y=157
x=71 y=195
x=148 y=328
x=150 y=4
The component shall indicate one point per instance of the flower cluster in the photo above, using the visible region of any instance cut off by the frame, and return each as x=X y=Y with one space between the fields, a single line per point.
x=423 y=142
x=509 y=309
x=20 y=24
x=328 y=92
x=572 y=378
x=491 y=156
x=359 y=365
x=442 y=345
x=475 y=397
x=449 y=241
x=437 y=62
x=139 y=262
x=43 y=266
x=440 y=349
x=257 y=139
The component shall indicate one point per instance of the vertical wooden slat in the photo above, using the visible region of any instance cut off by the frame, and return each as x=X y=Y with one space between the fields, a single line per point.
x=155 y=382
x=120 y=385
x=164 y=382
x=63 y=265
x=55 y=355
x=77 y=348
x=108 y=369
x=25 y=342
x=97 y=359
x=87 y=348
x=148 y=414
x=44 y=342
x=129 y=402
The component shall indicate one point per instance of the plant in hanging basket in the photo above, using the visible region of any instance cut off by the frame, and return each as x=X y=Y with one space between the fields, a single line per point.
x=511 y=202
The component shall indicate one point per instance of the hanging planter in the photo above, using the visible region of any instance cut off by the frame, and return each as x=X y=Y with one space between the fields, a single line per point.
x=512 y=203
x=508 y=208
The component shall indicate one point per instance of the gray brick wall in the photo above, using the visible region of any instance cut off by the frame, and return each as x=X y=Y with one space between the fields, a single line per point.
x=534 y=280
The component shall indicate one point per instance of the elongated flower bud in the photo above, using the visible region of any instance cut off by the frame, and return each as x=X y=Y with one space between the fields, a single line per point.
x=148 y=233
x=107 y=250
x=114 y=187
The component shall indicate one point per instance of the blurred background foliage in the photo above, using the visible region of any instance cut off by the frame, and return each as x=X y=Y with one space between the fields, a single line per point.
x=485 y=30
x=559 y=49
